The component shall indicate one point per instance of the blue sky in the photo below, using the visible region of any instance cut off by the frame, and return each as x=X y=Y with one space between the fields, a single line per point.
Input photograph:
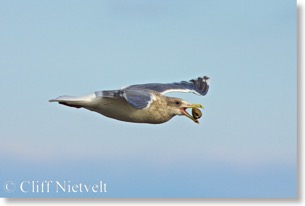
x=244 y=146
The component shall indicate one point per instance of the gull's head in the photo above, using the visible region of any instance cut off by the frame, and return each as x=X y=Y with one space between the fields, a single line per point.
x=177 y=106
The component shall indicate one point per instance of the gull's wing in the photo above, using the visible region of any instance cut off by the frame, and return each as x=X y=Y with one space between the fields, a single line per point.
x=138 y=99
x=197 y=86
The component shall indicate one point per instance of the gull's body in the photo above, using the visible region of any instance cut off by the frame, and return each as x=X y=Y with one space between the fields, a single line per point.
x=144 y=103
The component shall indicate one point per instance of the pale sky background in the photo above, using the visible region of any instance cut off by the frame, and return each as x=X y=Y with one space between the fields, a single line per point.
x=244 y=146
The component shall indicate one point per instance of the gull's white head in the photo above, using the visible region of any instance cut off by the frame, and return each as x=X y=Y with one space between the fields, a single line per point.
x=177 y=106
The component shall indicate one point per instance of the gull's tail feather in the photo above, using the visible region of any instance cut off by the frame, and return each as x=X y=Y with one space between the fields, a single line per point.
x=77 y=102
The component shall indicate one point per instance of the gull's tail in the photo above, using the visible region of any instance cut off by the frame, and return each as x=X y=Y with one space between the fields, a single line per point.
x=77 y=102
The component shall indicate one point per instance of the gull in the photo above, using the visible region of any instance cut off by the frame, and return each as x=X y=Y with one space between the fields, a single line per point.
x=141 y=103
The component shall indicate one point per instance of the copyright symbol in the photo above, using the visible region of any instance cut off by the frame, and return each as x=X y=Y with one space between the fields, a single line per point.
x=9 y=186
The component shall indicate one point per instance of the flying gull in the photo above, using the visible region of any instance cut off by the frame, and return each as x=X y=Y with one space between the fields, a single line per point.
x=142 y=103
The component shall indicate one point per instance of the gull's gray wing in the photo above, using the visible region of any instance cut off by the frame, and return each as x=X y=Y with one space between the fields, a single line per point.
x=138 y=99
x=197 y=86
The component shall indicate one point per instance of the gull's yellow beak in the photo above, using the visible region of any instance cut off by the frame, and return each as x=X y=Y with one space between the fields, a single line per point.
x=184 y=112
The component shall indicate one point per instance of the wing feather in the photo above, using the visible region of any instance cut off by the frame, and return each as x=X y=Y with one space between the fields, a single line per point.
x=138 y=99
x=197 y=86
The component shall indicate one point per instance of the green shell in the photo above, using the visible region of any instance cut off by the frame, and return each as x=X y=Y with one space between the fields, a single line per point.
x=196 y=113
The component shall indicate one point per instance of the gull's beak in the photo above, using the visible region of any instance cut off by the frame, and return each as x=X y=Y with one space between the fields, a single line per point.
x=184 y=112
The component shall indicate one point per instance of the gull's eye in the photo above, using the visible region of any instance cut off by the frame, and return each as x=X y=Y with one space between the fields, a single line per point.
x=177 y=103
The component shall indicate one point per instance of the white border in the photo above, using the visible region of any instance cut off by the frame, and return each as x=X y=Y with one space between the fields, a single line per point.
x=105 y=202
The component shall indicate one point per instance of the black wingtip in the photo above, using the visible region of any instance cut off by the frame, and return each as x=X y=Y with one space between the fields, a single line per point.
x=201 y=85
